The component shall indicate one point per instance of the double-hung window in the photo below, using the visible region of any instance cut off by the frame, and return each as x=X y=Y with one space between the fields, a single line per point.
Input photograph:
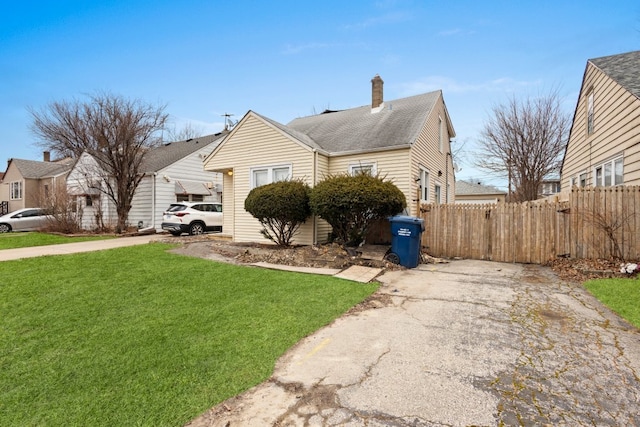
x=424 y=185
x=609 y=173
x=582 y=179
x=437 y=194
x=440 y=134
x=590 y=113
x=15 y=189
x=268 y=174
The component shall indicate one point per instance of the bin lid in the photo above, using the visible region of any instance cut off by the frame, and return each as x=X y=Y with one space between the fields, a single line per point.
x=405 y=219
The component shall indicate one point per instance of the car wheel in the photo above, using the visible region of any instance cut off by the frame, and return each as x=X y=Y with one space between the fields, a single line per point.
x=5 y=228
x=196 y=228
x=176 y=233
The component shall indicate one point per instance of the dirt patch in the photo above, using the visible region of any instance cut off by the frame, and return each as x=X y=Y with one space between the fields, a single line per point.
x=581 y=270
x=320 y=256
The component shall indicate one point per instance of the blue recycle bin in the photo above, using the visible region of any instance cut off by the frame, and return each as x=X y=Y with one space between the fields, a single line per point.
x=406 y=233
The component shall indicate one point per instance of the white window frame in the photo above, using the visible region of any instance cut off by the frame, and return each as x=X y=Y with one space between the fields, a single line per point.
x=15 y=190
x=437 y=193
x=270 y=173
x=440 y=135
x=424 y=184
x=590 y=109
x=358 y=167
x=607 y=172
x=582 y=179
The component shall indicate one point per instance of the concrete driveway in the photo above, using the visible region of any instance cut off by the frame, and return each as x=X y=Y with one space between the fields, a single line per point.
x=466 y=343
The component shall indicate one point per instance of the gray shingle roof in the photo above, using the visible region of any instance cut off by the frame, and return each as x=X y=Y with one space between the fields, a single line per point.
x=33 y=169
x=358 y=129
x=291 y=132
x=623 y=68
x=464 y=188
x=166 y=154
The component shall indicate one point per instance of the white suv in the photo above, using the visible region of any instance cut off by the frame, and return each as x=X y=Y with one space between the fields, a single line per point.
x=192 y=218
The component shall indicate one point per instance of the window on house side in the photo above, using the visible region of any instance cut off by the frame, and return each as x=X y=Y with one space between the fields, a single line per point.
x=16 y=190
x=368 y=167
x=590 y=113
x=268 y=174
x=598 y=176
x=88 y=201
x=618 y=168
x=437 y=194
x=582 y=179
x=440 y=135
x=609 y=173
x=424 y=185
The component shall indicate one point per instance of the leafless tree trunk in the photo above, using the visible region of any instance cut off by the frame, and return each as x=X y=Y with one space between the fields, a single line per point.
x=523 y=141
x=116 y=131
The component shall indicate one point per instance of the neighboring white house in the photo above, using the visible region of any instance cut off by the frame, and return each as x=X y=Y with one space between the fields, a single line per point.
x=172 y=172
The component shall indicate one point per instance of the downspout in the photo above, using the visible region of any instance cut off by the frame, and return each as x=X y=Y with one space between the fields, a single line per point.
x=153 y=201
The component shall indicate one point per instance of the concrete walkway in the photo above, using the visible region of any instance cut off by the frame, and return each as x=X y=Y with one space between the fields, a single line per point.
x=459 y=344
x=72 y=248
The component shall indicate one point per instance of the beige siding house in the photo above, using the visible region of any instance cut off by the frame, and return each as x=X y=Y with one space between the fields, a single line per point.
x=476 y=193
x=407 y=140
x=604 y=143
x=30 y=183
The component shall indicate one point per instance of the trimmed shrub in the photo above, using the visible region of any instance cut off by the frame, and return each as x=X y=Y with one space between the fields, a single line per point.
x=351 y=203
x=281 y=207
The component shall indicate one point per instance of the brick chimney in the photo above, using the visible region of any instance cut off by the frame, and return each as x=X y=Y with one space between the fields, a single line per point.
x=376 y=92
x=46 y=156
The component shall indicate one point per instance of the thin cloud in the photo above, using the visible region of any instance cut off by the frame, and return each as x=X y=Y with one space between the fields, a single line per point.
x=389 y=18
x=455 y=32
x=296 y=49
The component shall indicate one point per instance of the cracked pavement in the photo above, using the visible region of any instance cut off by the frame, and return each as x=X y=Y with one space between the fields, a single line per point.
x=466 y=343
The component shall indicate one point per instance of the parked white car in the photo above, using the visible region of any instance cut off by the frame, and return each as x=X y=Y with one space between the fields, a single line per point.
x=192 y=218
x=28 y=219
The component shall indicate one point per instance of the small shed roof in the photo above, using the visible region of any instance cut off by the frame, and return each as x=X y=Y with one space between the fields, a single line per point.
x=465 y=188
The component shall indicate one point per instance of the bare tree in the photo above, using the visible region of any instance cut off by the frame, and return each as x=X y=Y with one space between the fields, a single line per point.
x=523 y=141
x=115 y=131
x=188 y=131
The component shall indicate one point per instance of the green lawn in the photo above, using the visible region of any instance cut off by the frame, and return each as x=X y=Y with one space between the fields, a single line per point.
x=138 y=336
x=24 y=240
x=620 y=295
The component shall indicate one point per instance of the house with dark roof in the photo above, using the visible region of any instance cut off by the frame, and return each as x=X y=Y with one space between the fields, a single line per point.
x=604 y=143
x=30 y=183
x=173 y=172
x=406 y=140
x=475 y=193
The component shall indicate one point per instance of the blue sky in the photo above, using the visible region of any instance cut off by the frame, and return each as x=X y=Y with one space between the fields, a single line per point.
x=286 y=59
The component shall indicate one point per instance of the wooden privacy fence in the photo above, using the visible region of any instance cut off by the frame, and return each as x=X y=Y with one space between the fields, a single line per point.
x=600 y=222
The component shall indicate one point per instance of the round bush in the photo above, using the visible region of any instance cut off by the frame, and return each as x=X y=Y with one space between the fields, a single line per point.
x=350 y=203
x=281 y=207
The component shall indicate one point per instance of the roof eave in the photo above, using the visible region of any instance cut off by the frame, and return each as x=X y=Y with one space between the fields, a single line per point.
x=370 y=150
